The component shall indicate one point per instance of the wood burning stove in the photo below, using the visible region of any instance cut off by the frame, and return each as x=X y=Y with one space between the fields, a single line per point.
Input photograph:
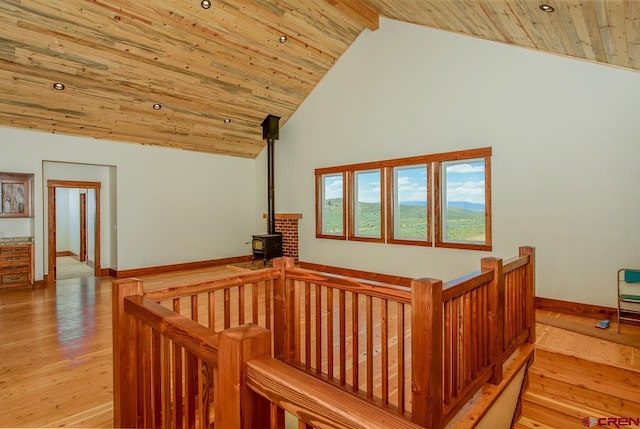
x=266 y=246
x=269 y=246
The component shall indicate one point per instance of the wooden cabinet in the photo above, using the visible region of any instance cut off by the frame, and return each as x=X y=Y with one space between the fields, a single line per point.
x=16 y=265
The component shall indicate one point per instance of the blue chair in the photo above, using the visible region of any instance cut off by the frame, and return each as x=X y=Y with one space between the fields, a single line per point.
x=628 y=295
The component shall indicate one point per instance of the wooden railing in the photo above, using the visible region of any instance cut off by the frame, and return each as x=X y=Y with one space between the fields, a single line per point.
x=414 y=353
x=225 y=302
x=352 y=334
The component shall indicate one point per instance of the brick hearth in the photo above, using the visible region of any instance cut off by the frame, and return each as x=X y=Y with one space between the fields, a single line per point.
x=287 y=224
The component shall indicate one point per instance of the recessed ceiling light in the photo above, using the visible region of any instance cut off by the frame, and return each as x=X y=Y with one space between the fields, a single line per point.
x=227 y=121
x=283 y=39
x=157 y=106
x=546 y=8
x=59 y=86
x=206 y=4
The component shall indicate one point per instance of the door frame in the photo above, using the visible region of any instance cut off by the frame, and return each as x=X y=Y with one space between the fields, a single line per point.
x=51 y=204
x=83 y=227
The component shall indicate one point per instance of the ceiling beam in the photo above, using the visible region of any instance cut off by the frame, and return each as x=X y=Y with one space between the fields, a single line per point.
x=359 y=11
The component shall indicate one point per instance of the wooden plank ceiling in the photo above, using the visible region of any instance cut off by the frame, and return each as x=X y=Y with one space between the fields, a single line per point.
x=117 y=58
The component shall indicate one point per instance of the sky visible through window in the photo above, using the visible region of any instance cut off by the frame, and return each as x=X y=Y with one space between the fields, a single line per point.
x=465 y=183
x=332 y=186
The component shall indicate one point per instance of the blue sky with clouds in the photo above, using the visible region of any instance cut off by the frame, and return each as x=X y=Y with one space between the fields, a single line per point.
x=465 y=182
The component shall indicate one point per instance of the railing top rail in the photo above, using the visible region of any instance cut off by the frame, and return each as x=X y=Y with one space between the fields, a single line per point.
x=316 y=402
x=212 y=285
x=464 y=284
x=515 y=263
x=387 y=291
x=357 y=274
x=196 y=338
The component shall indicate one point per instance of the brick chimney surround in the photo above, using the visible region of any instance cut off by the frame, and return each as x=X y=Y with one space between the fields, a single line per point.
x=287 y=224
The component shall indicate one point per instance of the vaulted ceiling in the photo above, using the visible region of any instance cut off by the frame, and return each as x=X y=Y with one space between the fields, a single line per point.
x=215 y=73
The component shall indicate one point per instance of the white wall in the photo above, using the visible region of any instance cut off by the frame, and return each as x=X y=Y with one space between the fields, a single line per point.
x=68 y=220
x=565 y=152
x=172 y=206
x=62 y=220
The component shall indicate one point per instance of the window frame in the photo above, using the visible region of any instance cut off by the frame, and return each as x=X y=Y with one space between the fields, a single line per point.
x=320 y=193
x=351 y=219
x=434 y=198
x=439 y=197
x=391 y=192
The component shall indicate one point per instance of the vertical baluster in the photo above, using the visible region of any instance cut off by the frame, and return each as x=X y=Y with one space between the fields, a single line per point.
x=473 y=357
x=273 y=415
x=343 y=337
x=355 y=337
x=254 y=303
x=369 y=333
x=191 y=389
x=307 y=325
x=467 y=354
x=449 y=329
x=211 y=310
x=145 y=369
x=522 y=299
x=204 y=388
x=318 y=332
x=240 y=305
x=455 y=347
x=384 y=348
x=177 y=409
x=156 y=378
x=485 y=327
x=401 y=372
x=267 y=304
x=227 y=308
x=165 y=383
x=194 y=308
x=330 y=333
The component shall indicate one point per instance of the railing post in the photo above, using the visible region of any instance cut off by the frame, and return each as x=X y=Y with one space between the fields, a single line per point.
x=125 y=389
x=426 y=352
x=496 y=317
x=283 y=317
x=237 y=406
x=530 y=291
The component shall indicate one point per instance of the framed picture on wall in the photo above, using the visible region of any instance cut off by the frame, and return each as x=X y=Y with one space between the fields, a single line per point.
x=15 y=194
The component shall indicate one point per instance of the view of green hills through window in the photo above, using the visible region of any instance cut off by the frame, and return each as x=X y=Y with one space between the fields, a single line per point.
x=463 y=195
x=465 y=220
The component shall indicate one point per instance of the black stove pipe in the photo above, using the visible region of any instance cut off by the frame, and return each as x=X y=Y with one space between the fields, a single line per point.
x=271 y=211
x=271 y=132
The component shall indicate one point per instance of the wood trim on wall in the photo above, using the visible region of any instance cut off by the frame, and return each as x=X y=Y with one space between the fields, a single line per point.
x=576 y=308
x=66 y=253
x=178 y=267
x=383 y=278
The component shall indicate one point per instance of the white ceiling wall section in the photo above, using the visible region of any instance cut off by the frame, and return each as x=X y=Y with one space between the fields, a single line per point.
x=173 y=206
x=565 y=152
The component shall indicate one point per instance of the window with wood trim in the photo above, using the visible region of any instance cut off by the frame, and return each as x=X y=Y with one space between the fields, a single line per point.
x=409 y=208
x=366 y=217
x=446 y=196
x=463 y=216
x=331 y=215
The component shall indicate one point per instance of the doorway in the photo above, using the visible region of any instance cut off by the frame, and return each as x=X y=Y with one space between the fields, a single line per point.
x=89 y=246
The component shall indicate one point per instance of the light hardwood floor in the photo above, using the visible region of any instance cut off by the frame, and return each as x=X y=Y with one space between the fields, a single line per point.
x=55 y=350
